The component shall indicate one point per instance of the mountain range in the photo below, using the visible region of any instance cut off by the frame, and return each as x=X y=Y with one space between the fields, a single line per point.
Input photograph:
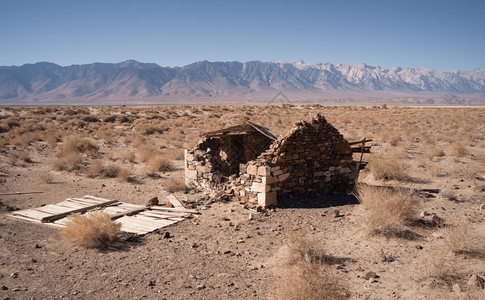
x=132 y=82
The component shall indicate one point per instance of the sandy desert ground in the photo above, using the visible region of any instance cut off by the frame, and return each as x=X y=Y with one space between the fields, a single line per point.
x=434 y=156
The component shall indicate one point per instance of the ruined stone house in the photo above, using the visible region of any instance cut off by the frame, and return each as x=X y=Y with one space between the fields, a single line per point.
x=260 y=168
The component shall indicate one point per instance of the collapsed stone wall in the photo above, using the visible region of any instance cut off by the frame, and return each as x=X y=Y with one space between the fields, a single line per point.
x=312 y=156
x=204 y=167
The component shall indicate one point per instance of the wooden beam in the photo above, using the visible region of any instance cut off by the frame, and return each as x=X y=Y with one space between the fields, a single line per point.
x=359 y=142
x=128 y=213
x=182 y=210
x=67 y=213
x=19 y=193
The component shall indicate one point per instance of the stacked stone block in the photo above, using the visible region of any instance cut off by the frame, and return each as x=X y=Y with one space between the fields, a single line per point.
x=313 y=156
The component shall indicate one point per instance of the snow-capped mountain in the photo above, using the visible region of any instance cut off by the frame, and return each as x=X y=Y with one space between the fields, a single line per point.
x=219 y=81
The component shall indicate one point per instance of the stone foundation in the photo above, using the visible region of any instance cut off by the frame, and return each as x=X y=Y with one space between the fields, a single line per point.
x=313 y=156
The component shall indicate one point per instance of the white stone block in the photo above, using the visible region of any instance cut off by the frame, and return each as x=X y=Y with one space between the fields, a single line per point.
x=266 y=199
x=264 y=171
x=252 y=170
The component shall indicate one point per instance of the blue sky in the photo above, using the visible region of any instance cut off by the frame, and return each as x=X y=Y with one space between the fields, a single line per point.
x=446 y=35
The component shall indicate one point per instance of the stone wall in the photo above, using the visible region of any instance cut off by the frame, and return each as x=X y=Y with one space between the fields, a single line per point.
x=204 y=167
x=313 y=156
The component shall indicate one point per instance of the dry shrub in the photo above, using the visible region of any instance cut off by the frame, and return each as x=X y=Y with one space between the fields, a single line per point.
x=47 y=177
x=130 y=156
x=19 y=158
x=457 y=149
x=26 y=138
x=77 y=145
x=388 y=169
x=391 y=136
x=91 y=230
x=4 y=142
x=149 y=129
x=69 y=162
x=459 y=239
x=174 y=184
x=435 y=170
x=99 y=168
x=440 y=264
x=145 y=153
x=390 y=209
x=175 y=154
x=158 y=163
x=305 y=278
x=50 y=137
x=110 y=155
x=481 y=163
x=449 y=195
x=124 y=174
x=308 y=281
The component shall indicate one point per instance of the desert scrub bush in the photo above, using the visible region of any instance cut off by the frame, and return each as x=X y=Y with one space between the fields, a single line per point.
x=158 y=163
x=144 y=153
x=435 y=170
x=174 y=154
x=47 y=177
x=76 y=145
x=91 y=230
x=459 y=239
x=69 y=162
x=457 y=149
x=129 y=156
x=388 y=169
x=440 y=264
x=19 y=157
x=26 y=138
x=174 y=184
x=390 y=209
x=305 y=278
x=481 y=163
x=50 y=137
x=99 y=168
x=124 y=175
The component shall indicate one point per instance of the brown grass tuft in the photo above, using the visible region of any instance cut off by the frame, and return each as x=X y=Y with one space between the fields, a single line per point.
x=91 y=230
x=19 y=157
x=459 y=239
x=390 y=210
x=99 y=168
x=76 y=144
x=47 y=177
x=158 y=163
x=388 y=169
x=69 y=162
x=305 y=278
x=457 y=149
x=174 y=184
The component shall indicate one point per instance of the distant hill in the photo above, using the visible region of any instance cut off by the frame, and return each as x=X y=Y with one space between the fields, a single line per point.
x=230 y=82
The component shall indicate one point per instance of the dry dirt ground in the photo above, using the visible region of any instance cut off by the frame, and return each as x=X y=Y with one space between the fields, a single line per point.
x=229 y=252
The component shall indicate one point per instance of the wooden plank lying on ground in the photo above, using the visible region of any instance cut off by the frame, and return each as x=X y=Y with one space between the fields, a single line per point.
x=133 y=218
x=182 y=210
x=64 y=214
x=359 y=142
x=175 y=202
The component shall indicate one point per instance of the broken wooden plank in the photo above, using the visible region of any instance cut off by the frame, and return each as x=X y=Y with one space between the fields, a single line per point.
x=163 y=214
x=127 y=213
x=359 y=142
x=64 y=214
x=19 y=193
x=359 y=149
x=185 y=210
x=175 y=202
